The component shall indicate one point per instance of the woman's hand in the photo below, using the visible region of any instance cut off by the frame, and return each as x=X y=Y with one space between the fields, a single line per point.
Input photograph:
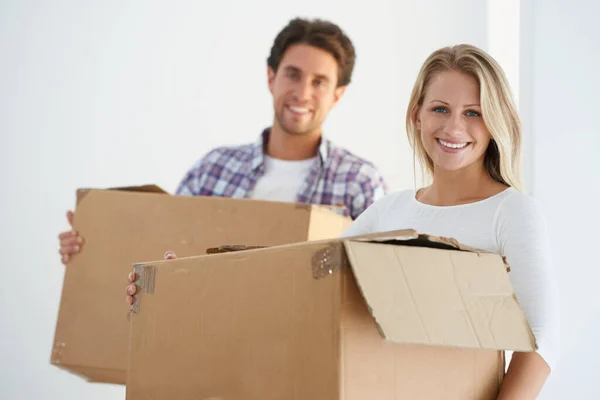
x=131 y=289
x=525 y=378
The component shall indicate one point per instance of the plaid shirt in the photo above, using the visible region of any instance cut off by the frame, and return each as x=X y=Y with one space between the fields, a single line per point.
x=339 y=178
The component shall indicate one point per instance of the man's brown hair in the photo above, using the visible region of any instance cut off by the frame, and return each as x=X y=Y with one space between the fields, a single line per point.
x=318 y=33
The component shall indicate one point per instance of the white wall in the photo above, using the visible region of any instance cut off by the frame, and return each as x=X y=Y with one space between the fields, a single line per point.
x=566 y=177
x=151 y=88
x=111 y=93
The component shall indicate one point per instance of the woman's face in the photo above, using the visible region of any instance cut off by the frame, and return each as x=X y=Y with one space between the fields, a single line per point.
x=450 y=122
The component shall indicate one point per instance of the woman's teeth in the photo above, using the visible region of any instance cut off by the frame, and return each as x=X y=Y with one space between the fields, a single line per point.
x=453 y=145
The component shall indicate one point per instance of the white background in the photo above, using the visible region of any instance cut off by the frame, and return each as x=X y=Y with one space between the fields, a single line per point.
x=566 y=177
x=111 y=93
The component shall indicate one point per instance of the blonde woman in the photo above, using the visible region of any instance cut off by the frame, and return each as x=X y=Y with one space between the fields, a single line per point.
x=465 y=131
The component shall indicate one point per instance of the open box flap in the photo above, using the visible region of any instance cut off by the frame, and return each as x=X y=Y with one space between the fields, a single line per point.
x=453 y=295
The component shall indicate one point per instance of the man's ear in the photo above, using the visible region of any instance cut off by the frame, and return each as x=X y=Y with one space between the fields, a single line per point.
x=270 y=78
x=337 y=95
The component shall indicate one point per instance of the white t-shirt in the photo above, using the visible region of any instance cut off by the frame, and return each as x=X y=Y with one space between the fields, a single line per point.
x=282 y=179
x=509 y=223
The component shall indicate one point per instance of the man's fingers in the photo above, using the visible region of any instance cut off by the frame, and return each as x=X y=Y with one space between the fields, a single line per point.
x=67 y=234
x=65 y=258
x=71 y=241
x=130 y=300
x=69 y=250
x=169 y=255
x=131 y=277
x=70 y=217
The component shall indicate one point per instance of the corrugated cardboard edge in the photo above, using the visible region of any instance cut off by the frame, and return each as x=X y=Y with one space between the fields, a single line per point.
x=412 y=235
x=95 y=375
x=347 y=250
x=336 y=209
x=404 y=234
x=229 y=248
x=150 y=188
x=73 y=369
x=324 y=261
x=532 y=338
x=145 y=279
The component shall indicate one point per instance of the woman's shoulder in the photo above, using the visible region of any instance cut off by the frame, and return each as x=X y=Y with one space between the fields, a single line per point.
x=519 y=211
x=370 y=220
x=397 y=197
x=514 y=202
x=396 y=200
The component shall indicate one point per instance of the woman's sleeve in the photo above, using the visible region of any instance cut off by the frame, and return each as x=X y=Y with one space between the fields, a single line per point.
x=523 y=238
x=369 y=220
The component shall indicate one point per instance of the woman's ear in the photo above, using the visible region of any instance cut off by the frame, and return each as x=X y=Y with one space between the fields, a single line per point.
x=415 y=117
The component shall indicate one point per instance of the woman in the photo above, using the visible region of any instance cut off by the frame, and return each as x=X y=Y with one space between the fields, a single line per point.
x=465 y=131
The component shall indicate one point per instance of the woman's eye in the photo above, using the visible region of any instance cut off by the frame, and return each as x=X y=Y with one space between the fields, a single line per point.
x=472 y=113
x=440 y=110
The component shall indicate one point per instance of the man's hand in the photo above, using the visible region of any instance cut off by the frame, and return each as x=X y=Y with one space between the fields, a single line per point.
x=70 y=241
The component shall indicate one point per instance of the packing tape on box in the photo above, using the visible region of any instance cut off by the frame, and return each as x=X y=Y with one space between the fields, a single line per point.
x=145 y=276
x=328 y=260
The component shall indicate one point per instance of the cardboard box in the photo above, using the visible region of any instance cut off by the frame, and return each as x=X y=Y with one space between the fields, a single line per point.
x=122 y=227
x=306 y=321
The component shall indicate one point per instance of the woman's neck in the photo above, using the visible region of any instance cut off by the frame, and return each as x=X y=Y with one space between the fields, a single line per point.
x=467 y=185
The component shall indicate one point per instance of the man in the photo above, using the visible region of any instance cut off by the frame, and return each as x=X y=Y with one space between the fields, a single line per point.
x=309 y=68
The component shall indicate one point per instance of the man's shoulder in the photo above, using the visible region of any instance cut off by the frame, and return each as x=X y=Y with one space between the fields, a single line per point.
x=346 y=161
x=216 y=167
x=226 y=152
x=224 y=155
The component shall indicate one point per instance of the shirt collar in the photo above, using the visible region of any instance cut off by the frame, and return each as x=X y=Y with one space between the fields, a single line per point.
x=258 y=150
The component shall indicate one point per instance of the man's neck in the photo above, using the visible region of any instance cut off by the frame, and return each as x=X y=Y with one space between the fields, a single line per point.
x=283 y=146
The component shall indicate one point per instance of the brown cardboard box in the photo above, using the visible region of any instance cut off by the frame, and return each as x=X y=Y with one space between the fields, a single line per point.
x=290 y=322
x=122 y=227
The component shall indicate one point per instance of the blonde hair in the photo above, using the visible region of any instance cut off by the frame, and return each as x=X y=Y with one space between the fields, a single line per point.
x=503 y=155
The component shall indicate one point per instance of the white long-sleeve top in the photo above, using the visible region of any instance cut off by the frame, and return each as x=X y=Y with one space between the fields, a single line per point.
x=509 y=223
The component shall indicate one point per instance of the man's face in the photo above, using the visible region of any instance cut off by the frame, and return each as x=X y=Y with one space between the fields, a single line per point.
x=304 y=89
